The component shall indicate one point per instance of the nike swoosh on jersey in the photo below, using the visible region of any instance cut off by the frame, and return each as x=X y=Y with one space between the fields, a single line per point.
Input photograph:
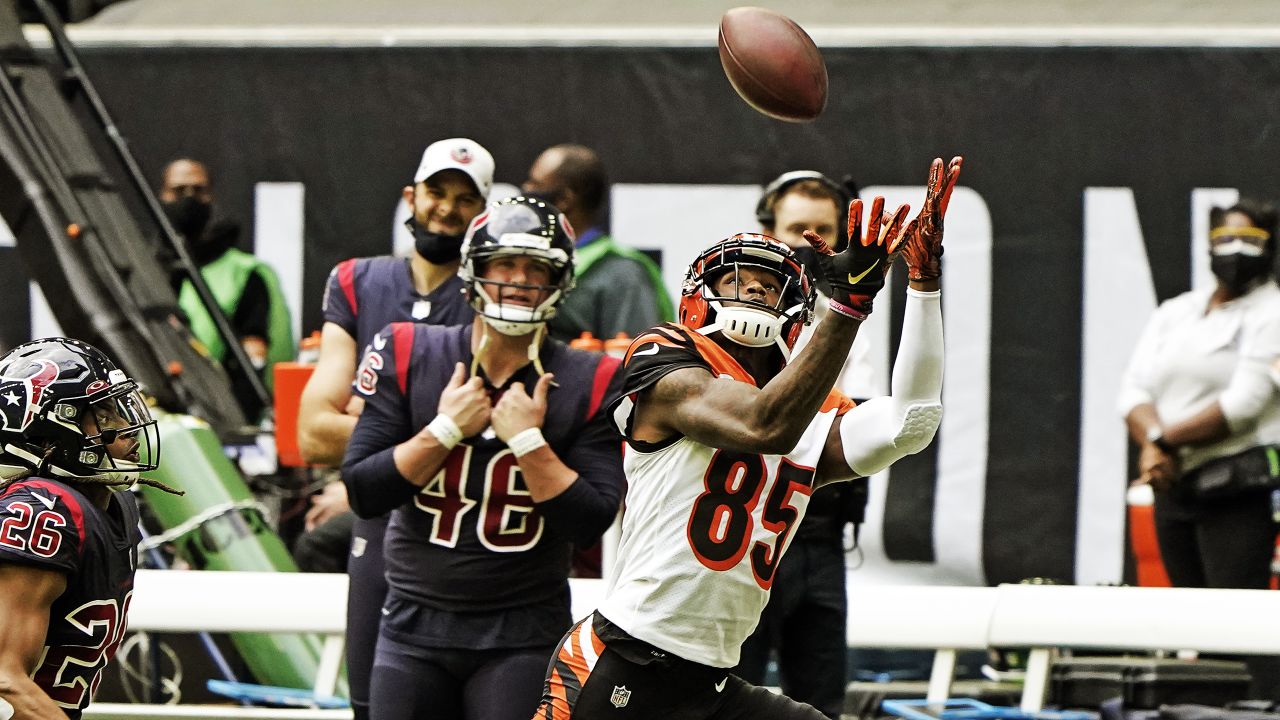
x=651 y=350
x=863 y=274
x=720 y=685
x=48 y=502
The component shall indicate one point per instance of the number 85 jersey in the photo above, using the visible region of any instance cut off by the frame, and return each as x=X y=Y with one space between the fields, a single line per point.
x=704 y=528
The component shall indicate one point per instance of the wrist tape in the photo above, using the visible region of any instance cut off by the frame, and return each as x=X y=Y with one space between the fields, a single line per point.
x=526 y=441
x=446 y=431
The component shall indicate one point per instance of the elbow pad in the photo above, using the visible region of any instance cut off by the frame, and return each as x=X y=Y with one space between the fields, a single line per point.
x=880 y=432
x=920 y=423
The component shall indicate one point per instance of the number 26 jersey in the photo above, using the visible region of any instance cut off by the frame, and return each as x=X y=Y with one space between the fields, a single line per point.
x=704 y=528
x=51 y=525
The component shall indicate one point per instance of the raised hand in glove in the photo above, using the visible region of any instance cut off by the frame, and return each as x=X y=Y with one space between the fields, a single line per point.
x=922 y=240
x=856 y=273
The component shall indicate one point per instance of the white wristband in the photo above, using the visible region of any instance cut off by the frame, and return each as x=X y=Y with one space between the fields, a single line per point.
x=526 y=441
x=446 y=431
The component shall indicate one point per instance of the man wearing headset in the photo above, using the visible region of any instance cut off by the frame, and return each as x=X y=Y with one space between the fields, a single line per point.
x=804 y=621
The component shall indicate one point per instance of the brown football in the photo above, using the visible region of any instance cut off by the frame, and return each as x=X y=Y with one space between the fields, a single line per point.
x=773 y=64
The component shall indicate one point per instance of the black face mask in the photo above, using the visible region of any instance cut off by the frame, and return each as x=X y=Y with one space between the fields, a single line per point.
x=1237 y=272
x=435 y=248
x=188 y=216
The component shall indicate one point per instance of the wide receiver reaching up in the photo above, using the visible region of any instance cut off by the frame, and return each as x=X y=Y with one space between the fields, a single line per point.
x=725 y=442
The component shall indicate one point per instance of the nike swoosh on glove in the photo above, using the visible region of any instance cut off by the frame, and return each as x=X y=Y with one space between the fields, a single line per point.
x=857 y=272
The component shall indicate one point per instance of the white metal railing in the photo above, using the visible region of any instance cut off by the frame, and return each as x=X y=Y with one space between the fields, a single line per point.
x=1046 y=617
x=943 y=619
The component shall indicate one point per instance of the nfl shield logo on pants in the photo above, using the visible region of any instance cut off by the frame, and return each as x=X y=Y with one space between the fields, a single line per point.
x=620 y=696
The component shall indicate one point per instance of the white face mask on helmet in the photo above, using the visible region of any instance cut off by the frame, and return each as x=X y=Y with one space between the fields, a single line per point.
x=750 y=326
x=745 y=321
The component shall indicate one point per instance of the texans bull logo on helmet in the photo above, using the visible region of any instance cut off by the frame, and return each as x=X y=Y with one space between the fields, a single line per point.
x=22 y=397
x=482 y=220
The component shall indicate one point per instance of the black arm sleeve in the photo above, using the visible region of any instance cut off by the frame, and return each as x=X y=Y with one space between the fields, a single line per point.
x=374 y=485
x=587 y=508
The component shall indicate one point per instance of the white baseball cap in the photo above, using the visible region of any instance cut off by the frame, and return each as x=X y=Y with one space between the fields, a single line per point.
x=462 y=154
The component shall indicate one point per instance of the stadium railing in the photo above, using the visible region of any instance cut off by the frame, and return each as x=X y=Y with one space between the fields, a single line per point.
x=943 y=619
x=193 y=601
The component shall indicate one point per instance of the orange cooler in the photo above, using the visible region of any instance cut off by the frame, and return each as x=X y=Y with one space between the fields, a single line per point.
x=290 y=379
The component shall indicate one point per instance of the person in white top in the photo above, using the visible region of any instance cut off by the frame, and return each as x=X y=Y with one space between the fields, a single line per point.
x=726 y=441
x=1198 y=401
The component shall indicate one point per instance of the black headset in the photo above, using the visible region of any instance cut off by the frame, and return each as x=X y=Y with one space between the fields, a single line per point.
x=775 y=189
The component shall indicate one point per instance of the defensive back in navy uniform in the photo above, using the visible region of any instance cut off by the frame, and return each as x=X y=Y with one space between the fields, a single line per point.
x=49 y=524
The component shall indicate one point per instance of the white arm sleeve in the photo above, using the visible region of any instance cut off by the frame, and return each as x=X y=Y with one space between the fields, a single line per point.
x=878 y=432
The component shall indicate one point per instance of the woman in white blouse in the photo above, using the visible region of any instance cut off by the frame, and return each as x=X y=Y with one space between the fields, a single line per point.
x=1199 y=401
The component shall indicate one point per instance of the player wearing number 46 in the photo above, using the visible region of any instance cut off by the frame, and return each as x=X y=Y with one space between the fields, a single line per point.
x=726 y=439
x=491 y=444
x=75 y=433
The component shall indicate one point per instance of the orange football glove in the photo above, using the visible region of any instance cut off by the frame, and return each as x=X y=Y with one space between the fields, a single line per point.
x=922 y=244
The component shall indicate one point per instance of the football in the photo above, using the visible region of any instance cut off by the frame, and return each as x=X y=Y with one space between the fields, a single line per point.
x=773 y=64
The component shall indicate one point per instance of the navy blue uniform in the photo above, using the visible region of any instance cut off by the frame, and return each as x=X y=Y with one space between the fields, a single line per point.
x=51 y=525
x=362 y=296
x=478 y=571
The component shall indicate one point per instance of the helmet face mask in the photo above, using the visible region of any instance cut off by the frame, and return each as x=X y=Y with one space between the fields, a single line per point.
x=119 y=423
x=515 y=228
x=747 y=321
x=66 y=410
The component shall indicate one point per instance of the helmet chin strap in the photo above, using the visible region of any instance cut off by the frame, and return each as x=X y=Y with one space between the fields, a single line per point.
x=107 y=476
x=118 y=479
x=749 y=327
x=535 y=344
x=506 y=327
x=493 y=315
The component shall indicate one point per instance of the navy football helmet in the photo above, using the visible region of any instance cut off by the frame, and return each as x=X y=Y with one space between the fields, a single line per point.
x=62 y=403
x=518 y=226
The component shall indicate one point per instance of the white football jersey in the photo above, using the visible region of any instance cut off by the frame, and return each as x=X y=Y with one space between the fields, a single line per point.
x=703 y=529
